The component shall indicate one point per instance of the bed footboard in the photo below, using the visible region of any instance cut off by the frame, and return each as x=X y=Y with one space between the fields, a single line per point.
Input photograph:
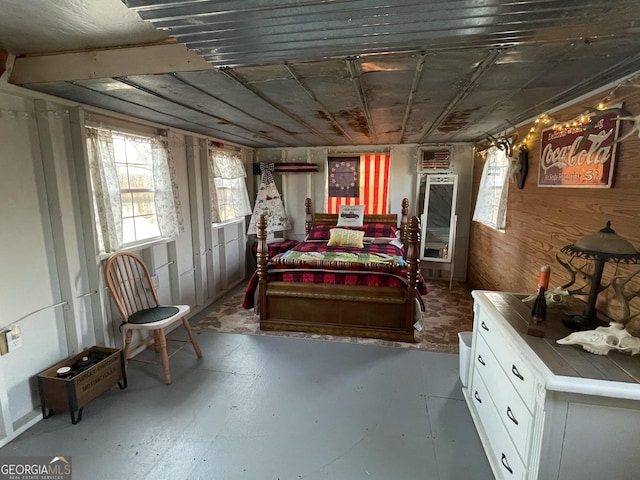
x=345 y=310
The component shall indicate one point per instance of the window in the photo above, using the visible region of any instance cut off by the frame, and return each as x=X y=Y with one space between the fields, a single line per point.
x=228 y=190
x=135 y=196
x=491 y=204
x=137 y=193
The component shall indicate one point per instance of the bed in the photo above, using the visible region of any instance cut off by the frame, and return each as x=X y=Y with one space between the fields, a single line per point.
x=320 y=293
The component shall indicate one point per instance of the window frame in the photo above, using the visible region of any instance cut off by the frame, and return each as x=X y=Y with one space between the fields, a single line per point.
x=130 y=190
x=104 y=167
x=215 y=177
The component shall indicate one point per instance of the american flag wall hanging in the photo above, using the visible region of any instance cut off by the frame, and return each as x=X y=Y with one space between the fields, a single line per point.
x=361 y=180
x=431 y=159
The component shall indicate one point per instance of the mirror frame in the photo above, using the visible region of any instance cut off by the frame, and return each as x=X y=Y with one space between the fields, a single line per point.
x=439 y=179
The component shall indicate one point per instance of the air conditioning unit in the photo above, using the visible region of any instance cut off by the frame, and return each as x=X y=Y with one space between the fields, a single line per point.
x=433 y=159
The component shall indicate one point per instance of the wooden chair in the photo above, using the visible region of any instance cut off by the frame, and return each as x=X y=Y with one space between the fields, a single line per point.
x=132 y=291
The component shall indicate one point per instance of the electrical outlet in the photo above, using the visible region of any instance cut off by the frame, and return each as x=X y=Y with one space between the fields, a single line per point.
x=13 y=341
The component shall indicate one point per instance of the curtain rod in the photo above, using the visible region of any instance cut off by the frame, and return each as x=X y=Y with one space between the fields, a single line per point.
x=129 y=133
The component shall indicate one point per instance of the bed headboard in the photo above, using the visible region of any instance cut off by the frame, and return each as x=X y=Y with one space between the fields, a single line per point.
x=312 y=218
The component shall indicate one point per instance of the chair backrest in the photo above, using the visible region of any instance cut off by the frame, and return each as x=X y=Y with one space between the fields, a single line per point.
x=129 y=283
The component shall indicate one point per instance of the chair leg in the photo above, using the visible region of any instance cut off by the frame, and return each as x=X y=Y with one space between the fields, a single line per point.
x=162 y=341
x=127 y=345
x=156 y=341
x=192 y=338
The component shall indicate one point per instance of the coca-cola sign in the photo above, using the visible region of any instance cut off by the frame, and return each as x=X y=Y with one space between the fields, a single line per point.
x=568 y=161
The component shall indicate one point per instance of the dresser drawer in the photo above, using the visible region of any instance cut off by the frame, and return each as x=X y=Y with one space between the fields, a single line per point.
x=511 y=409
x=502 y=454
x=515 y=369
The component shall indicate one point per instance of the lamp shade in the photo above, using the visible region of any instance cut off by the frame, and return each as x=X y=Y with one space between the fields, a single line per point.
x=604 y=244
x=606 y=240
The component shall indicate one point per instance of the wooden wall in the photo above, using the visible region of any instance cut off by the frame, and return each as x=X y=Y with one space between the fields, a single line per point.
x=541 y=220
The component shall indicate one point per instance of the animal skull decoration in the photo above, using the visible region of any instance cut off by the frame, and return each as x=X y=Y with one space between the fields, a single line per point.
x=604 y=339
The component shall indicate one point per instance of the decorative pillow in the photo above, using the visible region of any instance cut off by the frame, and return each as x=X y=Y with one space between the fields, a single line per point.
x=341 y=237
x=379 y=230
x=381 y=240
x=351 y=216
x=319 y=233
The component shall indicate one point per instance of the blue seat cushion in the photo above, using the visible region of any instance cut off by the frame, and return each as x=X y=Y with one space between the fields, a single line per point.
x=155 y=314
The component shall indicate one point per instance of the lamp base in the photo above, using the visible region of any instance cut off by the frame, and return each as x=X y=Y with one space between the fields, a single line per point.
x=580 y=323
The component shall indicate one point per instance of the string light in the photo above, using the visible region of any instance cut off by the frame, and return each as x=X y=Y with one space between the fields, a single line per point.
x=543 y=120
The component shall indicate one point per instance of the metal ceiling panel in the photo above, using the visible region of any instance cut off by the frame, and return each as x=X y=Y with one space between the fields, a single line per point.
x=553 y=71
x=339 y=98
x=330 y=86
x=215 y=85
x=356 y=72
x=292 y=97
x=205 y=108
x=383 y=77
x=444 y=76
x=201 y=120
x=235 y=33
x=277 y=85
x=121 y=97
x=104 y=100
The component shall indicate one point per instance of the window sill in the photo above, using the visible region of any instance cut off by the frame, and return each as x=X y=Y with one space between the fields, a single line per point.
x=136 y=247
x=227 y=222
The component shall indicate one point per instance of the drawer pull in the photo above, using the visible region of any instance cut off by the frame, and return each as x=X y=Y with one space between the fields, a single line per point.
x=511 y=415
x=515 y=371
x=481 y=360
x=505 y=464
x=477 y=397
x=484 y=325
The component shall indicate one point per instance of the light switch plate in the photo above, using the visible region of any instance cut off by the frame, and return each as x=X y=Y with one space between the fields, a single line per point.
x=13 y=342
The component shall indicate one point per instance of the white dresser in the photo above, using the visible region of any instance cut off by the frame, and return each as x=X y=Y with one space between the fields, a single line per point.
x=547 y=411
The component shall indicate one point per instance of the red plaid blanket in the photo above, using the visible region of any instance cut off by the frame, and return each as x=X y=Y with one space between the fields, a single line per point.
x=354 y=275
x=376 y=248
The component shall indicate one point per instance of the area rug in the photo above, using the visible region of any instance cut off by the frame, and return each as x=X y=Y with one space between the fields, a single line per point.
x=447 y=312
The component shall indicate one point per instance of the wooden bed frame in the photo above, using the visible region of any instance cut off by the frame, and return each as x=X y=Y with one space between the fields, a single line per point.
x=346 y=310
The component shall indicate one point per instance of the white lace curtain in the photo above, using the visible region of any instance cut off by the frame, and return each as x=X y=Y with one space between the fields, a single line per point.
x=491 y=204
x=106 y=188
x=227 y=188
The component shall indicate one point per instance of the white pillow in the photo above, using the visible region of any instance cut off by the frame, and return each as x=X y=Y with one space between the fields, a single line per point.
x=350 y=216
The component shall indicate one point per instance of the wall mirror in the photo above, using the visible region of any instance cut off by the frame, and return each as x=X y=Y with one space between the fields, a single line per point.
x=438 y=217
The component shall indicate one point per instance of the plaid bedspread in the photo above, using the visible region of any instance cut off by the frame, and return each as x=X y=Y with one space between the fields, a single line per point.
x=376 y=248
x=338 y=273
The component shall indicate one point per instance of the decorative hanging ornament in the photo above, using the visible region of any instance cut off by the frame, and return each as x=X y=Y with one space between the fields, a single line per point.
x=269 y=203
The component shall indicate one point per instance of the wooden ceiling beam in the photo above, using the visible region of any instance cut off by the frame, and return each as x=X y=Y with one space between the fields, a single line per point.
x=108 y=63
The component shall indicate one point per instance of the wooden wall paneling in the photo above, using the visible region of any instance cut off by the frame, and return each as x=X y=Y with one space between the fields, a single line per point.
x=542 y=220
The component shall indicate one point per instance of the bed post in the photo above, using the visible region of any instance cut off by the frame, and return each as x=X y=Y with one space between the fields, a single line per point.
x=404 y=222
x=262 y=258
x=308 y=216
x=413 y=262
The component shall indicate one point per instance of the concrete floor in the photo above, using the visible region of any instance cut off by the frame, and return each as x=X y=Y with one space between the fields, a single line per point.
x=259 y=407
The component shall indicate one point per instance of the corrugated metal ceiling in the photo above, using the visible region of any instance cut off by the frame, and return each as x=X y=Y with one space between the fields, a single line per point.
x=240 y=33
x=359 y=72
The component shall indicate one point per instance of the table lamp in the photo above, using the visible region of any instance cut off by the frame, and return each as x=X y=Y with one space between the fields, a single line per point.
x=603 y=246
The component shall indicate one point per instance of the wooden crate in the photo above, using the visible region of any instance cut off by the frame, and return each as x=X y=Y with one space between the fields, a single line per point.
x=73 y=394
